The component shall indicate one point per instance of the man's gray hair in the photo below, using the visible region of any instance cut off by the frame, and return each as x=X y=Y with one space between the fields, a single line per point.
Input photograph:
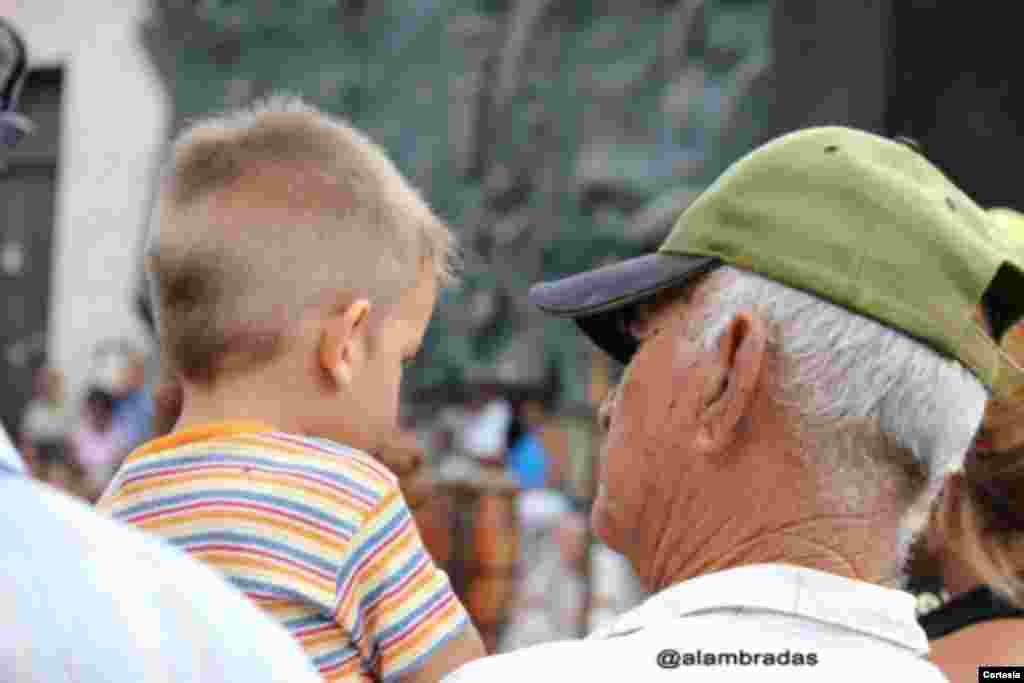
x=841 y=374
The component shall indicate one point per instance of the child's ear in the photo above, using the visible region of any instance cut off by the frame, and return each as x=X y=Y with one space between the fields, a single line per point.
x=342 y=343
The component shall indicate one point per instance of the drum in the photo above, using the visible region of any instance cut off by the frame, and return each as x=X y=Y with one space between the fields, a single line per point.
x=471 y=529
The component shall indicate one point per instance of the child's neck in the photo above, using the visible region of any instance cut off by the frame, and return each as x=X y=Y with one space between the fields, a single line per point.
x=234 y=404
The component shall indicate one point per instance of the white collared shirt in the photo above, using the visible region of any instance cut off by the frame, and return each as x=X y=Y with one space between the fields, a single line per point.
x=10 y=461
x=85 y=599
x=754 y=623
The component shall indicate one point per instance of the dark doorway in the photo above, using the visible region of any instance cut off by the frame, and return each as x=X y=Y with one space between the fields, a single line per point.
x=28 y=188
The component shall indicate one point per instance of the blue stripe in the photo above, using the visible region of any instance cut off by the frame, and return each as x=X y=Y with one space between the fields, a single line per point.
x=339 y=656
x=365 y=605
x=315 y=620
x=326 y=444
x=341 y=480
x=415 y=664
x=416 y=615
x=410 y=567
x=255 y=586
x=228 y=495
x=370 y=544
x=235 y=538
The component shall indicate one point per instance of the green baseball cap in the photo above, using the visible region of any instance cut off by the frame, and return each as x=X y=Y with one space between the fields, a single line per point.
x=1012 y=224
x=863 y=221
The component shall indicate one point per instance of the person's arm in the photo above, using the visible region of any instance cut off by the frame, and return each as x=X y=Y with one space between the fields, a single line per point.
x=398 y=606
x=990 y=643
x=462 y=649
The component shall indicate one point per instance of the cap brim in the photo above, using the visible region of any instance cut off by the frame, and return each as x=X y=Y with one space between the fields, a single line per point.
x=596 y=298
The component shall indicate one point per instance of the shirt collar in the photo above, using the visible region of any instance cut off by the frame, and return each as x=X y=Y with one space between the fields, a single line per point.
x=9 y=458
x=203 y=432
x=883 y=613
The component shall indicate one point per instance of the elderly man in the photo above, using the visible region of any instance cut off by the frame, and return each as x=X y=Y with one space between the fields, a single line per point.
x=88 y=600
x=803 y=370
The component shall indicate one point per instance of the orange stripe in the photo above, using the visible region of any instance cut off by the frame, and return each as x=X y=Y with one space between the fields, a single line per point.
x=329 y=494
x=422 y=637
x=234 y=560
x=295 y=449
x=398 y=546
x=227 y=474
x=201 y=432
x=346 y=673
x=282 y=609
x=293 y=487
x=370 y=574
x=427 y=576
x=407 y=543
x=334 y=637
x=214 y=517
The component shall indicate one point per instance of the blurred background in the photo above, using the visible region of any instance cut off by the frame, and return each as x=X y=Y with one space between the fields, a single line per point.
x=554 y=135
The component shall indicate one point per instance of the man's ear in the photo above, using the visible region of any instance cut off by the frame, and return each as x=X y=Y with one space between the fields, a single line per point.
x=343 y=341
x=730 y=393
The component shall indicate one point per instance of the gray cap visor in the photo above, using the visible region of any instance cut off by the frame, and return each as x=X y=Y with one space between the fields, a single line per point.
x=596 y=299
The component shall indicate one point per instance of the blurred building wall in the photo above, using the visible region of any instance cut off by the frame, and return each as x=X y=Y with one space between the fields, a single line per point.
x=113 y=123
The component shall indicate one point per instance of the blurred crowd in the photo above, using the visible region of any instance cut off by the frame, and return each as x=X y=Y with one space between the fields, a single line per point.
x=565 y=582
x=78 y=444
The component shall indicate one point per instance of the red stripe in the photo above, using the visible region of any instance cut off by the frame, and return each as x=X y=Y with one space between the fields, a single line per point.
x=425 y=619
x=225 y=503
x=334 y=667
x=267 y=598
x=248 y=550
x=314 y=630
x=381 y=547
x=304 y=476
x=354 y=496
x=400 y=587
x=357 y=457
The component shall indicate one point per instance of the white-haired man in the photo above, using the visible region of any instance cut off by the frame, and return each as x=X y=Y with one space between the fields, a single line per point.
x=804 y=367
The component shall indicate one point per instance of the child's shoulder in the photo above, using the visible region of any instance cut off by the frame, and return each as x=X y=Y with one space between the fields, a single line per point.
x=281 y=460
x=338 y=459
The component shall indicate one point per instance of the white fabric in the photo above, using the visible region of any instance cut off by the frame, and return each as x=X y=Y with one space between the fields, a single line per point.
x=85 y=599
x=857 y=631
x=108 y=370
x=541 y=509
x=484 y=434
x=550 y=595
x=44 y=421
x=9 y=457
x=616 y=588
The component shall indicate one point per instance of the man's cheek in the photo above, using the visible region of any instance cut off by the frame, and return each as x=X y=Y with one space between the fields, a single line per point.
x=616 y=443
x=642 y=418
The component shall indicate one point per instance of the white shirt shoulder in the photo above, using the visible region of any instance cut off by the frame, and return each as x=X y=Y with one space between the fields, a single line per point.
x=90 y=600
x=690 y=652
x=754 y=623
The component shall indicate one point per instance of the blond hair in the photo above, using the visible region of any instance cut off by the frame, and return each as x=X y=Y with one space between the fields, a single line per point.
x=268 y=211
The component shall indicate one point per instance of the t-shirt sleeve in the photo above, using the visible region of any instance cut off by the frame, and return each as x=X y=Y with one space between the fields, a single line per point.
x=395 y=602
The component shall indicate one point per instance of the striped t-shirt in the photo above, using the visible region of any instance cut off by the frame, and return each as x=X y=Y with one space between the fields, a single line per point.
x=317 y=534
